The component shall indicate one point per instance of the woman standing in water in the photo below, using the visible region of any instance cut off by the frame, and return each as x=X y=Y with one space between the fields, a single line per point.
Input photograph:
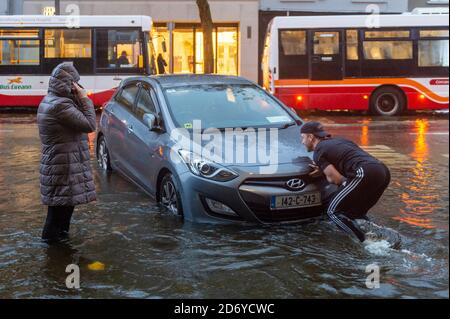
x=65 y=116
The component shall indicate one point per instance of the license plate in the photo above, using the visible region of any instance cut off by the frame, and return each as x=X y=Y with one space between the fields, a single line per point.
x=295 y=201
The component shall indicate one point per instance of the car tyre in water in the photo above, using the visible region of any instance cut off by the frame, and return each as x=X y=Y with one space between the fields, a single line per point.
x=169 y=196
x=387 y=101
x=103 y=158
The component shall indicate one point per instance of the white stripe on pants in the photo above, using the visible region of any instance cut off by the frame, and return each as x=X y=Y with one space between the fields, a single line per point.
x=339 y=197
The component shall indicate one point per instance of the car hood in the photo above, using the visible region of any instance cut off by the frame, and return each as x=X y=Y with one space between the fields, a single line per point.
x=280 y=148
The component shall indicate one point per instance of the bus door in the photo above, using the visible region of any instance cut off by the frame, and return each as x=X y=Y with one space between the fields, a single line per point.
x=326 y=55
x=326 y=64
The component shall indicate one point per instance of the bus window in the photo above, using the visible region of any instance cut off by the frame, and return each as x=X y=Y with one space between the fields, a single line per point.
x=293 y=57
x=387 y=34
x=433 y=48
x=119 y=51
x=293 y=42
x=388 y=50
x=352 y=45
x=68 y=43
x=433 y=33
x=19 y=47
x=352 y=66
x=433 y=53
x=326 y=43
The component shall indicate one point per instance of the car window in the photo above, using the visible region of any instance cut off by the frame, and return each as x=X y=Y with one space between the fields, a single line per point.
x=145 y=103
x=128 y=95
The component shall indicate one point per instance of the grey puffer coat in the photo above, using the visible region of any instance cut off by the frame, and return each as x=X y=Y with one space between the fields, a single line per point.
x=63 y=120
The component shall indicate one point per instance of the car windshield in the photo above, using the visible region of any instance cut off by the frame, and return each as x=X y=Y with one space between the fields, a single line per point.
x=225 y=106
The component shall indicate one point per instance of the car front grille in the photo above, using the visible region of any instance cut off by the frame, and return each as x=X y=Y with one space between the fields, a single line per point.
x=280 y=182
x=260 y=205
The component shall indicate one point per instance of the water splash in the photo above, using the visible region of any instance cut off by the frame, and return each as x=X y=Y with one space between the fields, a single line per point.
x=378 y=247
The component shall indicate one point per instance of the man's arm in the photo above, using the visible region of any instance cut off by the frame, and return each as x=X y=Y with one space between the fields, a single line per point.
x=333 y=176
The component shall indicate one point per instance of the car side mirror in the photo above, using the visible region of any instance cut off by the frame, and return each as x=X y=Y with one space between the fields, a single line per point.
x=150 y=121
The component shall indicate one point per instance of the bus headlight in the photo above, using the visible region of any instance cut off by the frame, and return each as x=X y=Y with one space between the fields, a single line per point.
x=205 y=168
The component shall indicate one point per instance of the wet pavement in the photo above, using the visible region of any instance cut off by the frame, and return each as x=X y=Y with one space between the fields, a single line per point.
x=148 y=254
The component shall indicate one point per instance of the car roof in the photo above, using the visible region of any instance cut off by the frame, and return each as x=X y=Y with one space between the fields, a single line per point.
x=174 y=80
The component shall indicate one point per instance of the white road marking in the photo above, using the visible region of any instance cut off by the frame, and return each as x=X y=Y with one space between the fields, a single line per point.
x=389 y=156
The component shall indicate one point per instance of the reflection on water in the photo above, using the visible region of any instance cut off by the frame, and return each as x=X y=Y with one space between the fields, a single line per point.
x=421 y=195
x=148 y=254
x=420 y=144
x=365 y=132
x=91 y=138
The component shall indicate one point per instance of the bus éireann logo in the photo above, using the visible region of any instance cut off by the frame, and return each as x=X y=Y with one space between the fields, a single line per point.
x=17 y=80
x=15 y=84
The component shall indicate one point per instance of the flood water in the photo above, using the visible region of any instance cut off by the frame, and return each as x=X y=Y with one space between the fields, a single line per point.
x=149 y=254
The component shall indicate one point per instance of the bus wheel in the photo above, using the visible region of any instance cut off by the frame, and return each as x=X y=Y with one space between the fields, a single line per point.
x=387 y=102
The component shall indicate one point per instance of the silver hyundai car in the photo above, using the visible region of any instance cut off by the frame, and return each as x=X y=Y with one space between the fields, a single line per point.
x=211 y=148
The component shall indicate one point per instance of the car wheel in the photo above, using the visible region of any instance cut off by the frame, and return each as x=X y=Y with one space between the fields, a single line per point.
x=387 y=102
x=169 y=196
x=103 y=158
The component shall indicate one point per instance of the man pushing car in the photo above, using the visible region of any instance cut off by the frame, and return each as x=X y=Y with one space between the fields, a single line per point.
x=361 y=177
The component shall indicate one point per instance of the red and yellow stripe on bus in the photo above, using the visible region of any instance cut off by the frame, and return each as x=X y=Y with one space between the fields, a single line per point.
x=354 y=94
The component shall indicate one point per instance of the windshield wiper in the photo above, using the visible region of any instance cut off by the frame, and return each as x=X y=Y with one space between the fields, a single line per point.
x=285 y=126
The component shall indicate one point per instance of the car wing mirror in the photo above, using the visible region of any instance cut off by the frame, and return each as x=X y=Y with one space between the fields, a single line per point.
x=150 y=121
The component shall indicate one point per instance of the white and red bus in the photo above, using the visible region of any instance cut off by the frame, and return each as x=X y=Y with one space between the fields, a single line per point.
x=104 y=49
x=339 y=63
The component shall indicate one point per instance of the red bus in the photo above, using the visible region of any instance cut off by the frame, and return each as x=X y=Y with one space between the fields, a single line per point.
x=339 y=63
x=104 y=49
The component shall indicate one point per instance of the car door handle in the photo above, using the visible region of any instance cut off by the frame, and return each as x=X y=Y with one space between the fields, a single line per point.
x=130 y=128
x=117 y=79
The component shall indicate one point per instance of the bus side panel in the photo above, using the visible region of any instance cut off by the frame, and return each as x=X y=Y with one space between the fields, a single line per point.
x=417 y=100
x=427 y=93
x=28 y=91
x=294 y=97
x=340 y=97
x=325 y=97
x=22 y=90
x=19 y=100
x=422 y=94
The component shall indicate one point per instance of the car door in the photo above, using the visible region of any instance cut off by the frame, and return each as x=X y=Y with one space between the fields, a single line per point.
x=143 y=143
x=119 y=116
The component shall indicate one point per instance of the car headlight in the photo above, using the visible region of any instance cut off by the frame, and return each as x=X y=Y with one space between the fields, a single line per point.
x=206 y=168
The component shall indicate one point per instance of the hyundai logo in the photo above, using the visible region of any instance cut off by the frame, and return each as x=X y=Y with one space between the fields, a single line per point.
x=295 y=184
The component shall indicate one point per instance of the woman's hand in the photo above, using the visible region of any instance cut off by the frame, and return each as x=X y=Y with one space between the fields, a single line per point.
x=80 y=92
